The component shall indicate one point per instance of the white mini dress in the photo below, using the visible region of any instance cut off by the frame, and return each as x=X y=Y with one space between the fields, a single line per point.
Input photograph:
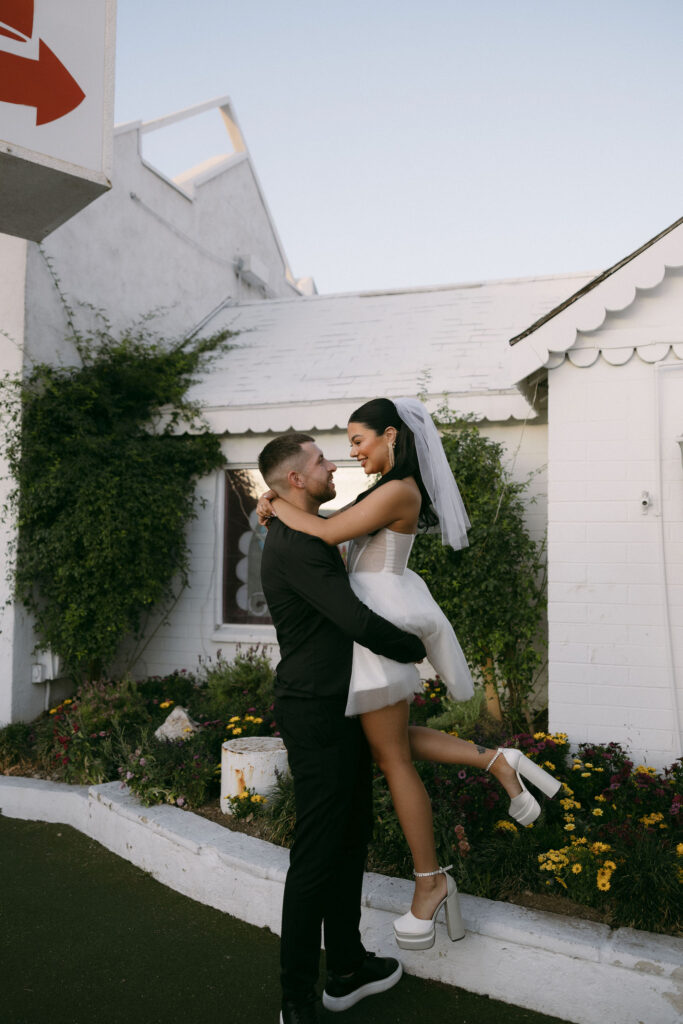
x=379 y=576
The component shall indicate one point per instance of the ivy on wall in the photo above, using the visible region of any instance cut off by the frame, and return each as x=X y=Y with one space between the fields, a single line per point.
x=494 y=591
x=105 y=456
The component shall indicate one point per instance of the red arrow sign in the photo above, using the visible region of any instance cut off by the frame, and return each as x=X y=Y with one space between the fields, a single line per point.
x=44 y=84
x=16 y=19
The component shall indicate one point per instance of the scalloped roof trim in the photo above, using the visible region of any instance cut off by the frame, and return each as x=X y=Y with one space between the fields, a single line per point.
x=585 y=357
x=585 y=311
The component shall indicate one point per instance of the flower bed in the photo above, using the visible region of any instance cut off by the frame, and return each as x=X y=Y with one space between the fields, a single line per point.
x=609 y=841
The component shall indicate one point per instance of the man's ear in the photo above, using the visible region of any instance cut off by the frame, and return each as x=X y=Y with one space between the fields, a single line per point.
x=295 y=479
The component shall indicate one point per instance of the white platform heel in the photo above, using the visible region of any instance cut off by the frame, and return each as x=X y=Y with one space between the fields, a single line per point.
x=415 y=933
x=524 y=807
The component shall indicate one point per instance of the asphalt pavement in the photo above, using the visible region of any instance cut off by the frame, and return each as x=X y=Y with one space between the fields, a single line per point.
x=87 y=938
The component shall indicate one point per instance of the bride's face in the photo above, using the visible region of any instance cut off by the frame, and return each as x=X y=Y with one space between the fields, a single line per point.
x=371 y=449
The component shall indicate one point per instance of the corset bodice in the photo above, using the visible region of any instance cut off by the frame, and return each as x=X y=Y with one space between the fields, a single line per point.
x=384 y=551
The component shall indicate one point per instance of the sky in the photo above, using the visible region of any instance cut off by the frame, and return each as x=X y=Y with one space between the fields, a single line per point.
x=418 y=144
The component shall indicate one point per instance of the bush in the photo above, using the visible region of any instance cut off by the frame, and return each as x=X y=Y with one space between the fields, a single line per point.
x=493 y=591
x=239 y=687
x=105 y=487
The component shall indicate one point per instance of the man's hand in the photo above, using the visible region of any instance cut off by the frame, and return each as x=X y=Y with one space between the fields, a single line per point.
x=264 y=509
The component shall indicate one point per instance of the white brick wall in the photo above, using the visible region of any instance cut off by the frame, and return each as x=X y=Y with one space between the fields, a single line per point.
x=610 y=672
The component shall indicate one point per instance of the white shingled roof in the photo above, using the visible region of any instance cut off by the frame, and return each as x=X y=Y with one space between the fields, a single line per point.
x=302 y=363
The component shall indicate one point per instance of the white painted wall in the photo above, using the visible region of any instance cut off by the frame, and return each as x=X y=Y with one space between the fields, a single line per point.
x=615 y=665
x=148 y=246
x=12 y=300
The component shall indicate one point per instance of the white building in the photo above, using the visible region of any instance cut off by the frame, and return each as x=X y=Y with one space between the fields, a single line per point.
x=609 y=362
x=186 y=247
x=204 y=247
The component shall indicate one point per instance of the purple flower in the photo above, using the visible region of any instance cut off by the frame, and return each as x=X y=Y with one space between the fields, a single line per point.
x=142 y=762
x=129 y=775
x=462 y=774
x=180 y=801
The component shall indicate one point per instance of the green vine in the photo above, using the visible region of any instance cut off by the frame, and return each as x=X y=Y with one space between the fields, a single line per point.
x=493 y=591
x=105 y=456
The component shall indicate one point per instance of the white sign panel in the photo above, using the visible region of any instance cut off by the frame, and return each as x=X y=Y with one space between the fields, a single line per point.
x=56 y=109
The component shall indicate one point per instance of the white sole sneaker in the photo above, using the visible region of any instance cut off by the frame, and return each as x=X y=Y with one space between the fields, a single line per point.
x=338 y=1003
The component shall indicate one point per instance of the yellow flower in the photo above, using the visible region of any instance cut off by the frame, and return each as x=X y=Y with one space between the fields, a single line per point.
x=576 y=869
x=652 y=819
x=505 y=826
x=257 y=721
x=67 y=701
x=600 y=847
x=679 y=850
x=610 y=865
x=187 y=729
x=585 y=775
x=570 y=827
x=597 y=812
x=598 y=769
x=235 y=718
x=53 y=711
x=588 y=764
x=539 y=736
x=166 y=704
x=567 y=789
x=603 y=883
x=244 y=795
x=236 y=732
x=579 y=840
x=645 y=769
x=601 y=799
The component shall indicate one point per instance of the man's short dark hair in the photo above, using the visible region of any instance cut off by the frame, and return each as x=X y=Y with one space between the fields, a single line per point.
x=278 y=451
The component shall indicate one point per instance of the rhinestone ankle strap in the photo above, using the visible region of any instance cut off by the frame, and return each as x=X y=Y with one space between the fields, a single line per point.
x=430 y=874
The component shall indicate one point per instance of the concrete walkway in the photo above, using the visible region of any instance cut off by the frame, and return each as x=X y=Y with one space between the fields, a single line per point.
x=87 y=938
x=564 y=968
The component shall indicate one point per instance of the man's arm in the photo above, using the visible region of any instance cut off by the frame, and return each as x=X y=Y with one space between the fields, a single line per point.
x=321 y=580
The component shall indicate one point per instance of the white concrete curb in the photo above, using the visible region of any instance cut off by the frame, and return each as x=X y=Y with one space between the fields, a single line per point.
x=572 y=969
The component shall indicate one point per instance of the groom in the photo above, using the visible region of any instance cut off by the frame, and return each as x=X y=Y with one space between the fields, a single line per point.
x=317 y=618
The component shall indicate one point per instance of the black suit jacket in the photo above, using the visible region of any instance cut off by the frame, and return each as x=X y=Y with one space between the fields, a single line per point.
x=317 y=617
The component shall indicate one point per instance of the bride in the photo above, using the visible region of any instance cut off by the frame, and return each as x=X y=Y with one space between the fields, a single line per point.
x=416 y=490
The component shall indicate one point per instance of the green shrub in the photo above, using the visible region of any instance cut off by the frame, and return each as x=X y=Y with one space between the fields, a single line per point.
x=239 y=687
x=281 y=811
x=105 y=487
x=493 y=591
x=181 y=772
x=17 y=743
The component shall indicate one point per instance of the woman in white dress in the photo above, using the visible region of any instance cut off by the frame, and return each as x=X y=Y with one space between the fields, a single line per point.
x=416 y=490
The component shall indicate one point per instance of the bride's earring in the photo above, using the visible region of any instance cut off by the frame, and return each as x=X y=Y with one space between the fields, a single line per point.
x=390 y=446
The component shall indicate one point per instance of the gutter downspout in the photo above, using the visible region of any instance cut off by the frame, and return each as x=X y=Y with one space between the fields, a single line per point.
x=668 y=640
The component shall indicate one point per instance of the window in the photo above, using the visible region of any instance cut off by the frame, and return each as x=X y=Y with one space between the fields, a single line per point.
x=243 y=600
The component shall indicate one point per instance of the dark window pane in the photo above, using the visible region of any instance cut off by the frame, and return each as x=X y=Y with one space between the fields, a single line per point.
x=243 y=600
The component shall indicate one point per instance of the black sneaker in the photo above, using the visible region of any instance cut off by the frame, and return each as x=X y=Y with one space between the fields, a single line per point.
x=376 y=974
x=299 y=1013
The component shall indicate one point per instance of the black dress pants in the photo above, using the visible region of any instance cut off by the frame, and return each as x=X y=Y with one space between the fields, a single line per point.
x=330 y=763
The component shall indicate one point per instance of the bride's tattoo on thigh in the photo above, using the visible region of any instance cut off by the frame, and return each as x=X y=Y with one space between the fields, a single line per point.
x=482 y=750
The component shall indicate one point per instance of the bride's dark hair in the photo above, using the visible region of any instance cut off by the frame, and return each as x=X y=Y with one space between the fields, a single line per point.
x=377 y=415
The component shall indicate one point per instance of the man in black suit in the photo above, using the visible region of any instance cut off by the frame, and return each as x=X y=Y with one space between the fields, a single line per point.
x=317 y=618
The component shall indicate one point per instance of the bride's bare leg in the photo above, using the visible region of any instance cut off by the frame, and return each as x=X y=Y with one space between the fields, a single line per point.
x=432 y=745
x=387 y=734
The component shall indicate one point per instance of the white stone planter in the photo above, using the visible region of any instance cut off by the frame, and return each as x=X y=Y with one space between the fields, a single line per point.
x=251 y=762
